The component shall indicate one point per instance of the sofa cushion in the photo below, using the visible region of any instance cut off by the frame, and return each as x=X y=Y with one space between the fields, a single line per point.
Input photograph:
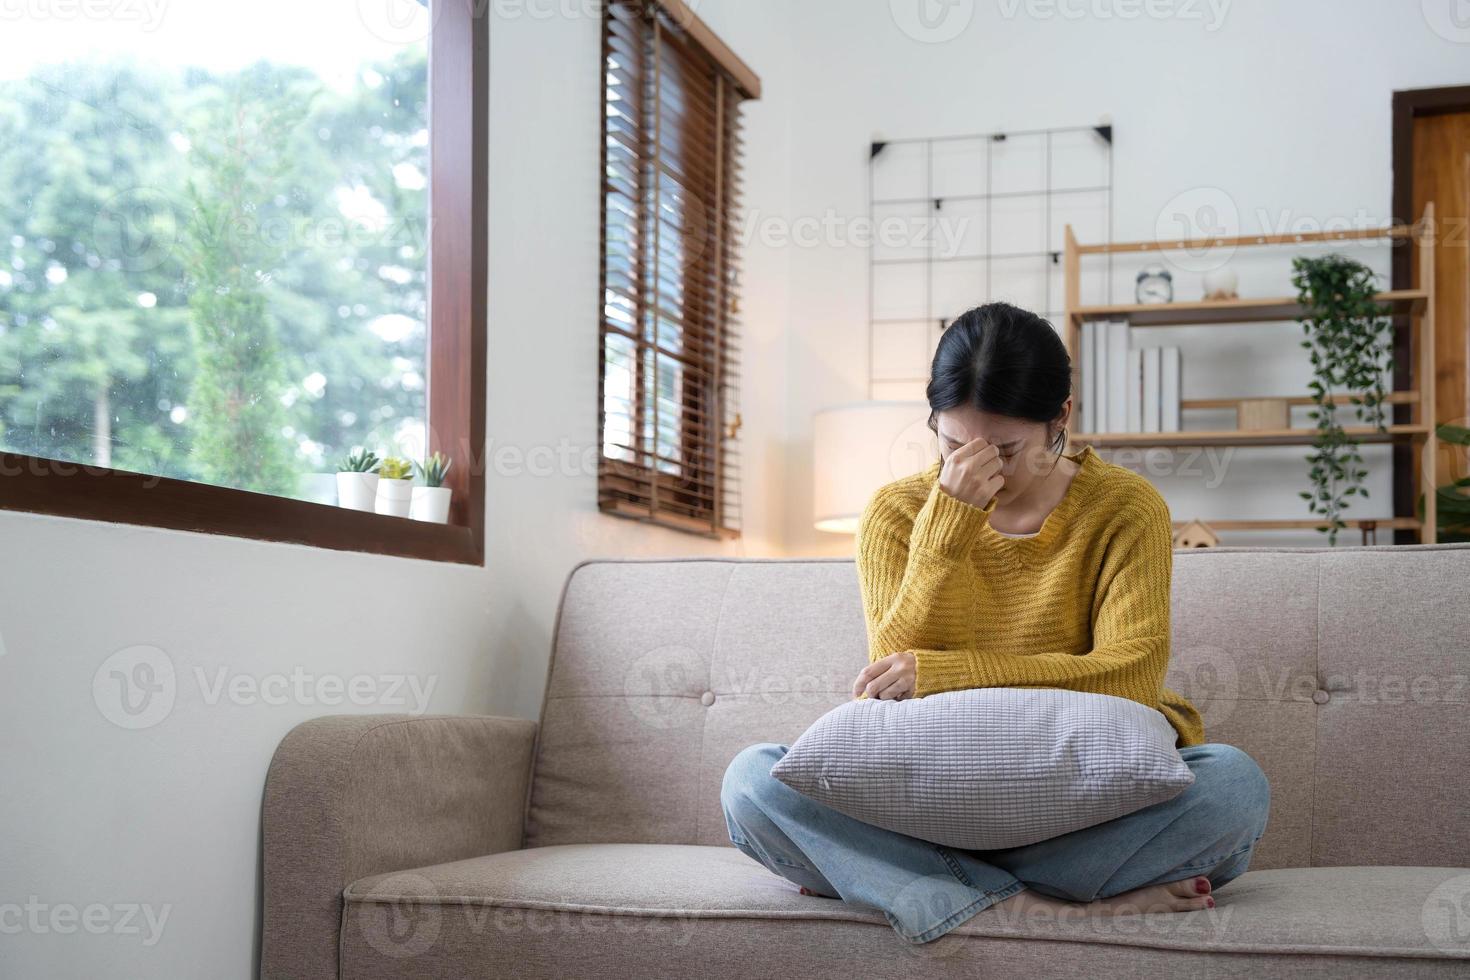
x=988 y=768
x=643 y=713
x=680 y=910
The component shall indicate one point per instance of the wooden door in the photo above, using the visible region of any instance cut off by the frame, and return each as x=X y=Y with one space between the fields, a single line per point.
x=1440 y=172
x=1442 y=175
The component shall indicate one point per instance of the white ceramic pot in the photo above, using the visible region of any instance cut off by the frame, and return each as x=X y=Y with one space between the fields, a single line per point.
x=357 y=491
x=431 y=504
x=1220 y=284
x=319 y=488
x=394 y=497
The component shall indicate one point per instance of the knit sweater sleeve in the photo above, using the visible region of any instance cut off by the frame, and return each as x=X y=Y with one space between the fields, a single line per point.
x=1130 y=637
x=908 y=570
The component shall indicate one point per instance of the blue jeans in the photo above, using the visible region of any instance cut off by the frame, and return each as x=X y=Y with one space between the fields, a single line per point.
x=926 y=889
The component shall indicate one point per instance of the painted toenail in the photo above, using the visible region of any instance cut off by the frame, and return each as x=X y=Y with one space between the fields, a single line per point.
x=1201 y=885
x=1209 y=903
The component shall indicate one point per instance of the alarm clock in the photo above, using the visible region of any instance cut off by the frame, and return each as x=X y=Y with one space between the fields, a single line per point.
x=1154 y=285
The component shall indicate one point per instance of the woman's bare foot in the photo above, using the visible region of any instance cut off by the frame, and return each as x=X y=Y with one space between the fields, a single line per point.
x=1186 y=895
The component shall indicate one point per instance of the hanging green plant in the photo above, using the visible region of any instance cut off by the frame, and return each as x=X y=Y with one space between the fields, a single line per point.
x=1351 y=345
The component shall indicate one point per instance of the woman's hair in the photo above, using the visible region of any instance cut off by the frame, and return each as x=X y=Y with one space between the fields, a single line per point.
x=1003 y=360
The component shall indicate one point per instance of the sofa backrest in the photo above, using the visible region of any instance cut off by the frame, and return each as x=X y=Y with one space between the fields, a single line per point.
x=1344 y=672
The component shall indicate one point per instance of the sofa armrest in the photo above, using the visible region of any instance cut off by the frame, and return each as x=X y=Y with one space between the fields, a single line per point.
x=354 y=795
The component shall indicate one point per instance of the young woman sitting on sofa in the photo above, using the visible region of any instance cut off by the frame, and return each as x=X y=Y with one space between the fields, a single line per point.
x=1010 y=563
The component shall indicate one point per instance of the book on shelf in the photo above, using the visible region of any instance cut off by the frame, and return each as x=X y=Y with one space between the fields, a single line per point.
x=1086 y=407
x=1152 y=405
x=1126 y=388
x=1135 y=389
x=1093 y=350
x=1169 y=389
x=1117 y=376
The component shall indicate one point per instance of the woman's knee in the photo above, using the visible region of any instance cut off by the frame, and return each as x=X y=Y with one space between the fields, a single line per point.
x=748 y=774
x=1233 y=787
x=1242 y=776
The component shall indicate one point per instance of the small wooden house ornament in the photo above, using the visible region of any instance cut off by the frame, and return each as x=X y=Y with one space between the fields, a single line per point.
x=1196 y=534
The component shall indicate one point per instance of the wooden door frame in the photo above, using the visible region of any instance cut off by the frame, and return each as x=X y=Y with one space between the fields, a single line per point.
x=1409 y=105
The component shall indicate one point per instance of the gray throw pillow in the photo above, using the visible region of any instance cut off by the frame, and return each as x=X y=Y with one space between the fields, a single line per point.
x=987 y=768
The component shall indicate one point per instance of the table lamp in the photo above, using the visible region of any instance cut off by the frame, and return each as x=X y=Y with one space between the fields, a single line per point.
x=858 y=448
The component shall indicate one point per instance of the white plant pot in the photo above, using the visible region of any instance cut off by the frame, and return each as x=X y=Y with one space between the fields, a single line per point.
x=394 y=497
x=357 y=491
x=319 y=488
x=1220 y=284
x=431 y=504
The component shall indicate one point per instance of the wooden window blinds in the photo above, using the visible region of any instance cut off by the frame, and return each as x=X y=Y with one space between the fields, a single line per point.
x=668 y=354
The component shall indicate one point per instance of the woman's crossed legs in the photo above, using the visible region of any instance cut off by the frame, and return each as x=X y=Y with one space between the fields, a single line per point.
x=1154 y=859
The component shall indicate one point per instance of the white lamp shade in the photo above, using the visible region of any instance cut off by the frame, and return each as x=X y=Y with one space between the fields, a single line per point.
x=858 y=448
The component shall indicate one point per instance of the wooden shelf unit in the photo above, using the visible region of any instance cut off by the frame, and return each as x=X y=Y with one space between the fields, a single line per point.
x=1229 y=311
x=1417 y=304
x=1243 y=437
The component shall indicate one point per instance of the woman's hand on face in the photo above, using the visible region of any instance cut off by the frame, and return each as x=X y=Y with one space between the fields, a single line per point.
x=972 y=473
x=891 y=678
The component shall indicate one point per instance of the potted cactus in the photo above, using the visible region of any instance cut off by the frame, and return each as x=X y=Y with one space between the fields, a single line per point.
x=357 y=481
x=395 y=487
x=431 y=501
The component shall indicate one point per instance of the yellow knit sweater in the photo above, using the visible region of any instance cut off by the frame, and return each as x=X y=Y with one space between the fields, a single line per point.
x=1082 y=605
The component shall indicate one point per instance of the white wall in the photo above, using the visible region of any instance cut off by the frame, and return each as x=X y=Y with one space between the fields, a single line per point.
x=167 y=817
x=542 y=381
x=1282 y=109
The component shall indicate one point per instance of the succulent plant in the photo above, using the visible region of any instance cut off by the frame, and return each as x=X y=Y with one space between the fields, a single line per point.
x=434 y=469
x=395 y=468
x=361 y=461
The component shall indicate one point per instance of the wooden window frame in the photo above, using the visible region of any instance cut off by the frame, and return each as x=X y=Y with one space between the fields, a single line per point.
x=638 y=489
x=458 y=96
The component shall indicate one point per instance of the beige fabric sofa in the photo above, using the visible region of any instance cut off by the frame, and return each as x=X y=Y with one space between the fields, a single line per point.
x=594 y=845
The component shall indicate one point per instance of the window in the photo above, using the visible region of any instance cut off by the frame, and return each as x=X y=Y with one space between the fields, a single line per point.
x=220 y=272
x=668 y=406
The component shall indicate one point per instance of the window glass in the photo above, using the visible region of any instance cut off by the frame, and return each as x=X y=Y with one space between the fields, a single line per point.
x=213 y=237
